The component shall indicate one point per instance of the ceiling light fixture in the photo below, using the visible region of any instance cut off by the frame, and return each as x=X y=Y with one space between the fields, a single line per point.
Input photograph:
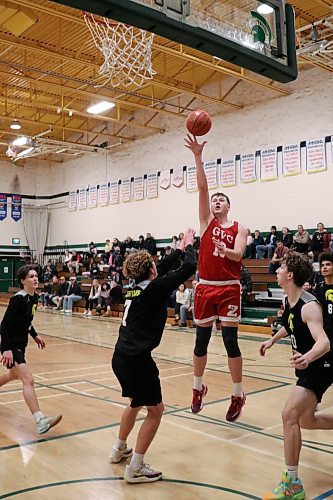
x=15 y=125
x=20 y=141
x=265 y=9
x=100 y=107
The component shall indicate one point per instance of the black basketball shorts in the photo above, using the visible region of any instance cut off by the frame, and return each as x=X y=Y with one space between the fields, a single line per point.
x=316 y=381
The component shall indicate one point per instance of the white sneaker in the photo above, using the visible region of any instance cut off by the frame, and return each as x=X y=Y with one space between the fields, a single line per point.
x=89 y=313
x=62 y=311
x=142 y=474
x=117 y=455
x=68 y=311
x=85 y=313
x=44 y=424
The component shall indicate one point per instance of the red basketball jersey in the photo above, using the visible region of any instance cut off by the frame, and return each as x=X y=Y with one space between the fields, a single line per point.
x=212 y=265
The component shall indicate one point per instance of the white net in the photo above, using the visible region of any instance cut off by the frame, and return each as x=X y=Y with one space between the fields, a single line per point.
x=127 y=51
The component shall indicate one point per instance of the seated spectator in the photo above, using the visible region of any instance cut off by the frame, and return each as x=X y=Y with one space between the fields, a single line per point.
x=67 y=260
x=286 y=237
x=115 y=261
x=101 y=265
x=107 y=250
x=257 y=240
x=150 y=244
x=277 y=323
x=43 y=296
x=301 y=240
x=141 y=243
x=73 y=294
x=92 y=250
x=53 y=293
x=181 y=298
x=94 y=271
x=278 y=257
x=104 y=298
x=188 y=307
x=128 y=244
x=249 y=245
x=75 y=263
x=115 y=276
x=62 y=290
x=270 y=245
x=174 y=242
x=92 y=300
x=246 y=287
x=307 y=287
x=320 y=241
x=115 y=297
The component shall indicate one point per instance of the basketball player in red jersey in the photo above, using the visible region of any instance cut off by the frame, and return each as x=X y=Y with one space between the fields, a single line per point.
x=217 y=296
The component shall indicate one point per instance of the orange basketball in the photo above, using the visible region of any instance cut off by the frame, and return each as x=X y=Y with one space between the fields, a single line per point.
x=198 y=122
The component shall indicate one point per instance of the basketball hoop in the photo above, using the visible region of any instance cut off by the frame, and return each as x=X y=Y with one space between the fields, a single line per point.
x=127 y=51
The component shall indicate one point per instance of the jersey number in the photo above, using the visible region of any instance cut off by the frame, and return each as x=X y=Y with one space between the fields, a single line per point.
x=232 y=311
x=126 y=309
x=293 y=341
x=330 y=308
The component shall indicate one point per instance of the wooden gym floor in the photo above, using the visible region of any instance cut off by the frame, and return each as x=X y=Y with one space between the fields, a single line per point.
x=202 y=456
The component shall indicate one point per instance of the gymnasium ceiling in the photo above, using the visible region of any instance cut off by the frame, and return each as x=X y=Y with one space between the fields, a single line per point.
x=48 y=76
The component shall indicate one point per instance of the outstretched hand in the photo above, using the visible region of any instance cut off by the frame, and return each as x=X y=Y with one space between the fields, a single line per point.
x=194 y=145
x=189 y=237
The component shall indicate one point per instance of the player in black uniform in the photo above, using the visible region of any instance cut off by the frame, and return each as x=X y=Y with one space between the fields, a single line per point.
x=145 y=314
x=15 y=329
x=312 y=360
x=324 y=292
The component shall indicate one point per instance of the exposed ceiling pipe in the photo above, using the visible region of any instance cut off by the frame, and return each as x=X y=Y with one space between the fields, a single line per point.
x=316 y=23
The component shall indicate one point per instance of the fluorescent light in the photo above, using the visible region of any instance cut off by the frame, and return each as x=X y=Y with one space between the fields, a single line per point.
x=265 y=9
x=100 y=107
x=15 y=125
x=20 y=141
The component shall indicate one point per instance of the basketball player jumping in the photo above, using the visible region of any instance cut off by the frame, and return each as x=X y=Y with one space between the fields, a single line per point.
x=313 y=362
x=217 y=295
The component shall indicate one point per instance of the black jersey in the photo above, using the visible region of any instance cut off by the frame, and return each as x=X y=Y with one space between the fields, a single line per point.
x=145 y=310
x=300 y=335
x=16 y=323
x=324 y=294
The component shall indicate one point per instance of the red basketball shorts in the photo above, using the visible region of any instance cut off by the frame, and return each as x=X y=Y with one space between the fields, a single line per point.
x=216 y=302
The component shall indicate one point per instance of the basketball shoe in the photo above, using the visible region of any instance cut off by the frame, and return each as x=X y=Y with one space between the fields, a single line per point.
x=142 y=474
x=197 y=403
x=117 y=455
x=44 y=424
x=235 y=408
x=287 y=488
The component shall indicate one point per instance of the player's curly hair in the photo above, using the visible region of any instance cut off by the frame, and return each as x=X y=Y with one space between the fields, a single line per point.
x=300 y=266
x=137 y=266
x=23 y=272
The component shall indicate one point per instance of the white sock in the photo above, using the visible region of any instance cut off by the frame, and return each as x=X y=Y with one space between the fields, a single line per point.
x=120 y=444
x=292 y=471
x=136 y=460
x=237 y=390
x=197 y=383
x=37 y=416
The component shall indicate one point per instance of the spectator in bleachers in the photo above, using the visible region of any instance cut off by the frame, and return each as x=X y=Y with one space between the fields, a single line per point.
x=92 y=250
x=174 y=242
x=54 y=292
x=115 y=276
x=246 y=287
x=307 y=287
x=43 y=296
x=92 y=300
x=181 y=298
x=63 y=285
x=150 y=244
x=73 y=295
x=94 y=271
x=331 y=243
x=270 y=245
x=101 y=265
x=320 y=241
x=105 y=255
x=75 y=263
x=141 y=243
x=128 y=244
x=301 y=240
x=286 y=237
x=116 y=261
x=276 y=325
x=104 y=298
x=115 y=297
x=188 y=307
x=257 y=240
x=67 y=260
x=279 y=254
x=249 y=245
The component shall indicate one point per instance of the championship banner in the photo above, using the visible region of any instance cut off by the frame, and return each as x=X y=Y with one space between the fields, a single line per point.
x=152 y=185
x=211 y=174
x=248 y=168
x=82 y=201
x=103 y=195
x=177 y=177
x=126 y=190
x=92 y=197
x=16 y=209
x=268 y=164
x=228 y=173
x=191 y=178
x=114 y=192
x=138 y=190
x=291 y=160
x=72 y=200
x=3 y=206
x=315 y=156
x=165 y=179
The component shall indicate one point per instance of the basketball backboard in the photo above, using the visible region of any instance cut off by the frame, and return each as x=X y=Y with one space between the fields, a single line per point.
x=254 y=35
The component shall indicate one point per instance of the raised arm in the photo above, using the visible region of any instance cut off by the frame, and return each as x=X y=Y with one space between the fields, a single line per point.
x=204 y=203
